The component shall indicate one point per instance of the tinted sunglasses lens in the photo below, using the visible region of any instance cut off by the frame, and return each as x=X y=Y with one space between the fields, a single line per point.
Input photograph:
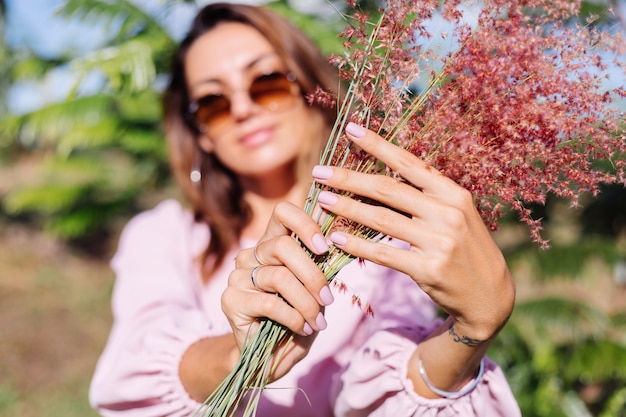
x=211 y=109
x=273 y=91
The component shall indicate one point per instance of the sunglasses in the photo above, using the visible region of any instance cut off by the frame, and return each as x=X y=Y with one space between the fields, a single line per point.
x=275 y=92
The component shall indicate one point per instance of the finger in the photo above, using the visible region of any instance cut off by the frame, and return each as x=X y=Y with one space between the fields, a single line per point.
x=288 y=218
x=244 y=308
x=379 y=253
x=285 y=250
x=413 y=230
x=387 y=190
x=407 y=165
x=257 y=257
x=243 y=303
x=397 y=194
x=281 y=280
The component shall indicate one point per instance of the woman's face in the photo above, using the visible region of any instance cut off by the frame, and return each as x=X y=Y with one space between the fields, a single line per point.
x=251 y=137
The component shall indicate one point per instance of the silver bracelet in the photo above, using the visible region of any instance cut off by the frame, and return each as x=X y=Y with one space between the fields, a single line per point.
x=451 y=394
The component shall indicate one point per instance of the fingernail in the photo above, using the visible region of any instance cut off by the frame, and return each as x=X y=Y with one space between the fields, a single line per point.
x=328 y=198
x=319 y=243
x=320 y=321
x=307 y=330
x=355 y=130
x=326 y=296
x=338 y=239
x=322 y=172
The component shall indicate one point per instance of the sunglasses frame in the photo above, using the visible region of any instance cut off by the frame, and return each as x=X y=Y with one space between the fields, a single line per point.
x=194 y=106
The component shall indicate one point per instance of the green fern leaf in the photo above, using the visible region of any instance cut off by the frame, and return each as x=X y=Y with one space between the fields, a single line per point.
x=127 y=67
x=45 y=128
x=122 y=14
x=561 y=318
x=47 y=199
x=595 y=361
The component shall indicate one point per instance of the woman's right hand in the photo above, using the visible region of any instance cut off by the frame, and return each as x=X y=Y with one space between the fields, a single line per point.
x=282 y=267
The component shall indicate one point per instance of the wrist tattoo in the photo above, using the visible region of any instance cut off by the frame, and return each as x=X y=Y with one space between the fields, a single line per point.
x=467 y=341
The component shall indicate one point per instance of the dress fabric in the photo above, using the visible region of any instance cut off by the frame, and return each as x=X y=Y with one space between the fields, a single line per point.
x=357 y=366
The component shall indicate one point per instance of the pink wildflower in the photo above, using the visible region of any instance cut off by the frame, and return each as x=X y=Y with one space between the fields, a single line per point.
x=519 y=111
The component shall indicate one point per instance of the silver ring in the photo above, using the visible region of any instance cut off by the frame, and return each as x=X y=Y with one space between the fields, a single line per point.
x=253 y=276
x=256 y=256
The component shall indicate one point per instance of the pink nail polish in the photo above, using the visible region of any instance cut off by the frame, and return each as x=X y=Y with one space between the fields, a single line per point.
x=320 y=321
x=328 y=198
x=319 y=243
x=326 y=296
x=338 y=239
x=322 y=172
x=355 y=130
x=307 y=330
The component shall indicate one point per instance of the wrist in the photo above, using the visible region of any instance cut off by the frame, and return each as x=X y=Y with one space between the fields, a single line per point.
x=474 y=334
x=451 y=394
x=464 y=339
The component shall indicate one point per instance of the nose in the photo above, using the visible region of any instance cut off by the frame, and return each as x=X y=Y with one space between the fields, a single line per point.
x=241 y=105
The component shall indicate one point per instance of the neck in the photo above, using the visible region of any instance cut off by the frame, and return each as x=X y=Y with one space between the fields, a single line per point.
x=263 y=194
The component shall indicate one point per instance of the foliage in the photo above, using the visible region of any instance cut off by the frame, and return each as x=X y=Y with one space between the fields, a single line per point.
x=557 y=353
x=98 y=151
x=564 y=354
x=323 y=32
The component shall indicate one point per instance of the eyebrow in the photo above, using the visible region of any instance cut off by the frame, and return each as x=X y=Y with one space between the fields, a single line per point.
x=250 y=65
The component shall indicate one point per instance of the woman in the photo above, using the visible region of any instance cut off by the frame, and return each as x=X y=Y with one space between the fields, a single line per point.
x=192 y=284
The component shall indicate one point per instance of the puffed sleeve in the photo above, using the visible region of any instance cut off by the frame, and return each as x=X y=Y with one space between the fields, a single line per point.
x=158 y=314
x=375 y=383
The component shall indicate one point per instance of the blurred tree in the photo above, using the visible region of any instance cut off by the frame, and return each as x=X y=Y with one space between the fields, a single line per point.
x=98 y=153
x=95 y=153
x=564 y=358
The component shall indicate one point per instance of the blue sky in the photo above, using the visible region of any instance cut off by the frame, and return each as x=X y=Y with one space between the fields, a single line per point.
x=33 y=23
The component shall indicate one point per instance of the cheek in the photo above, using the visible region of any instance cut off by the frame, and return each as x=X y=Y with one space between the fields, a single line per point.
x=303 y=126
x=311 y=130
x=206 y=144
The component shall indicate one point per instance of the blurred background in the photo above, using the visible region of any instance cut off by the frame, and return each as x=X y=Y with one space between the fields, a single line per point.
x=81 y=151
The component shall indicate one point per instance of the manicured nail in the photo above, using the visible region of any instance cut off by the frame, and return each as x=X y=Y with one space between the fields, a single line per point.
x=320 y=321
x=328 y=198
x=338 y=239
x=322 y=172
x=319 y=243
x=355 y=130
x=326 y=296
x=307 y=330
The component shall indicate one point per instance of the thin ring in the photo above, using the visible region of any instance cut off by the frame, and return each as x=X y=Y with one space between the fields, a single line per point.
x=256 y=256
x=253 y=277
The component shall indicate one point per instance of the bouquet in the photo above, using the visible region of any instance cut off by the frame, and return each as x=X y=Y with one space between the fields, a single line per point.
x=514 y=102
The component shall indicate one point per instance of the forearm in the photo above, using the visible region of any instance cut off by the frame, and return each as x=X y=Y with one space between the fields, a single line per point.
x=450 y=359
x=206 y=364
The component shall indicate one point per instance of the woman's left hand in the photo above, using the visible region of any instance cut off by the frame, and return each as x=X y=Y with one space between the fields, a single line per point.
x=452 y=255
x=279 y=265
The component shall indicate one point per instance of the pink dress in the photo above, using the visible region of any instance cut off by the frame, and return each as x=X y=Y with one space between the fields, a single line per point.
x=357 y=366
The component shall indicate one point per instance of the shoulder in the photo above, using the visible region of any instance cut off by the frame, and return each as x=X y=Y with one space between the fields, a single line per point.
x=164 y=213
x=168 y=223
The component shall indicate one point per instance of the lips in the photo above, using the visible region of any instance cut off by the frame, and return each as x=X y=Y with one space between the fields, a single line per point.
x=257 y=138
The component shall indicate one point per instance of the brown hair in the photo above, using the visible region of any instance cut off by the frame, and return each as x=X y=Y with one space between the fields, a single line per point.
x=218 y=198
